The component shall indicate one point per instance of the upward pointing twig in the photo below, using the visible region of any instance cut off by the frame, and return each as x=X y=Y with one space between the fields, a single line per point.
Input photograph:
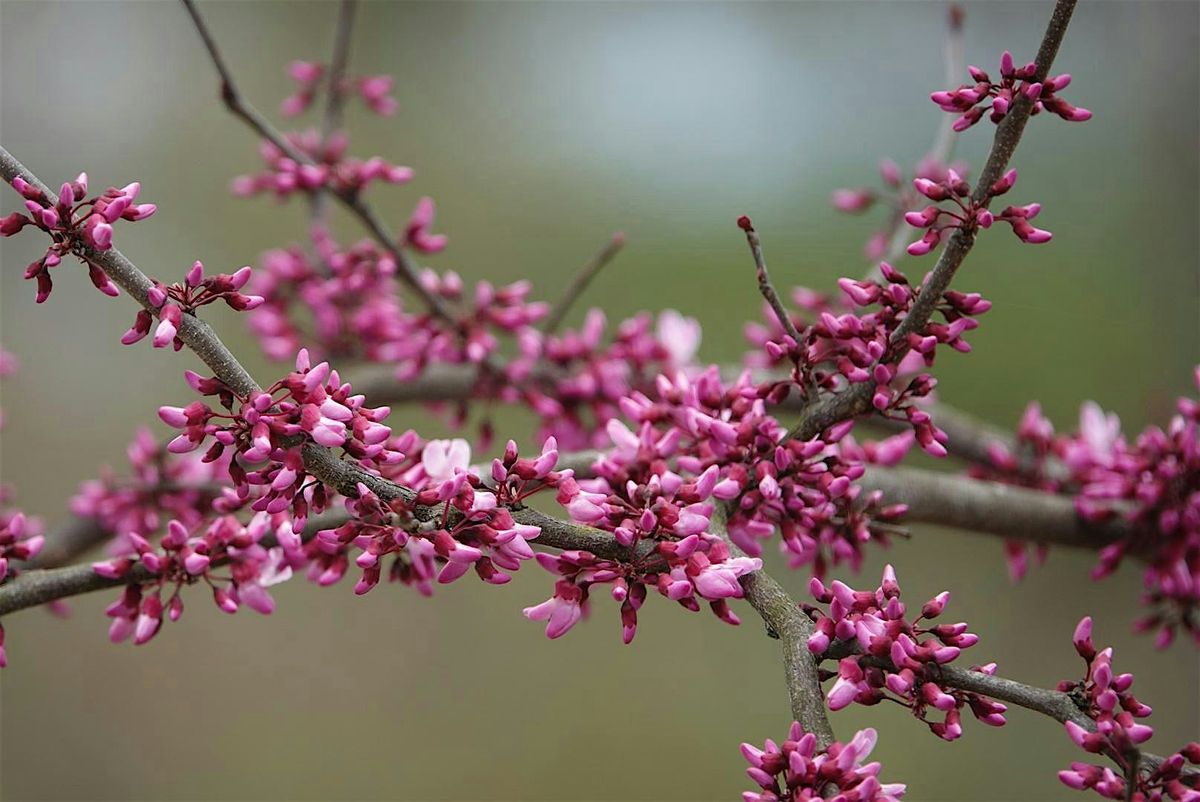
x=582 y=279
x=764 y=279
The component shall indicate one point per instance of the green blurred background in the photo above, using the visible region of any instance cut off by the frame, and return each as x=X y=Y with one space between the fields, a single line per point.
x=540 y=129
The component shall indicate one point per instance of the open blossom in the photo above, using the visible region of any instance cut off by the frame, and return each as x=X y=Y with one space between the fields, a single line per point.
x=969 y=214
x=328 y=168
x=74 y=222
x=474 y=529
x=1152 y=481
x=1117 y=733
x=176 y=300
x=972 y=101
x=375 y=90
x=796 y=771
x=226 y=555
x=267 y=430
x=894 y=657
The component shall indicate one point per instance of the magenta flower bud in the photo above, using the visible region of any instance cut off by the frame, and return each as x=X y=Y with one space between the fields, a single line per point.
x=852 y=200
x=934 y=607
x=195 y=275
x=931 y=189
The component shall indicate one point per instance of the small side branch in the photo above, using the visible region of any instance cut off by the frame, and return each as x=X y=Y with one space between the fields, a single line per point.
x=581 y=281
x=764 y=279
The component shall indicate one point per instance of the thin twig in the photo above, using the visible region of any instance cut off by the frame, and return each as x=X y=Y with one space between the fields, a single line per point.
x=764 y=279
x=582 y=279
x=335 y=93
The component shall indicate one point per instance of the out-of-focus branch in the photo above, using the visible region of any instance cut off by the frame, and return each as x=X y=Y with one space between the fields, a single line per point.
x=242 y=109
x=335 y=91
x=582 y=279
x=857 y=399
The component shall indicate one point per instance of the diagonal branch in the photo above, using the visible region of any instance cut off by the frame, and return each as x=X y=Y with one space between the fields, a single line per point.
x=765 y=286
x=857 y=399
x=582 y=279
x=243 y=110
x=335 y=92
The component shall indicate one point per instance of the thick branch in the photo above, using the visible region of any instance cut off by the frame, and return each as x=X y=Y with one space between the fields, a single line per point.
x=786 y=622
x=857 y=399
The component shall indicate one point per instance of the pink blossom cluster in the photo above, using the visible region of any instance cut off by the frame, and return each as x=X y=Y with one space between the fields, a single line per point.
x=797 y=771
x=897 y=194
x=74 y=221
x=971 y=215
x=21 y=539
x=581 y=375
x=453 y=523
x=662 y=516
x=892 y=654
x=343 y=303
x=805 y=490
x=177 y=300
x=328 y=168
x=160 y=485
x=267 y=430
x=1106 y=699
x=375 y=90
x=840 y=346
x=972 y=101
x=227 y=555
x=1153 y=482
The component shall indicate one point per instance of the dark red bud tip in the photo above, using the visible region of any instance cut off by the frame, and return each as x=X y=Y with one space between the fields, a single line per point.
x=957 y=14
x=744 y=223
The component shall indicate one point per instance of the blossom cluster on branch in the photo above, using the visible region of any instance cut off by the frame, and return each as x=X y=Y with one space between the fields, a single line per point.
x=897 y=658
x=1153 y=481
x=797 y=770
x=74 y=220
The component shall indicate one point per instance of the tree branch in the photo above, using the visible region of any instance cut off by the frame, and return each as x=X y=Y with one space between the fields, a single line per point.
x=857 y=399
x=335 y=92
x=765 y=286
x=792 y=628
x=1055 y=704
x=582 y=279
x=242 y=109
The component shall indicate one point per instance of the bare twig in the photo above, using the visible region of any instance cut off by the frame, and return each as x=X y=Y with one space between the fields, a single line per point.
x=335 y=93
x=764 y=279
x=582 y=279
